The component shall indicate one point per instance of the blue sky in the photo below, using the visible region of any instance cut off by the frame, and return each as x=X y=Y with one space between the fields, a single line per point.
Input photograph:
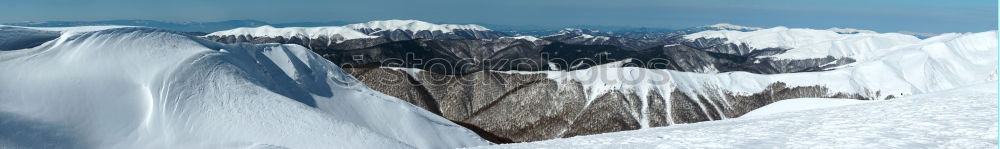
x=881 y=15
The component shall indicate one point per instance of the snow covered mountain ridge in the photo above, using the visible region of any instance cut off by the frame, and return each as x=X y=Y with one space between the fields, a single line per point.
x=308 y=32
x=811 y=43
x=393 y=30
x=350 y=31
x=413 y=25
x=529 y=38
x=727 y=26
x=577 y=33
x=136 y=87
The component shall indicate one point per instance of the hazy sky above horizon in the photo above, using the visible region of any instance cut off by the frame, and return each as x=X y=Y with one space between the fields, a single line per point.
x=934 y=16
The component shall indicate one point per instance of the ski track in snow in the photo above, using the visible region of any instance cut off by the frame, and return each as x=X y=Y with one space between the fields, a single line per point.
x=958 y=118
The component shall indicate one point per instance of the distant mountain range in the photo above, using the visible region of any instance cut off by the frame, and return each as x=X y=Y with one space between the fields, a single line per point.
x=202 y=28
x=208 y=27
x=177 y=26
x=368 y=44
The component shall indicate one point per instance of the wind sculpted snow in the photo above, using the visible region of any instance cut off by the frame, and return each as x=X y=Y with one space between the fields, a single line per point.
x=134 y=87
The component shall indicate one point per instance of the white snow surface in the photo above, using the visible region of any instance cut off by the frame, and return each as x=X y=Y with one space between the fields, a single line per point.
x=810 y=43
x=800 y=104
x=959 y=118
x=309 y=32
x=413 y=25
x=129 y=87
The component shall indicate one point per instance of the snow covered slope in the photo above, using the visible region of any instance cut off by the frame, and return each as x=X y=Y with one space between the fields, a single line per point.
x=128 y=87
x=811 y=43
x=307 y=32
x=959 y=118
x=800 y=104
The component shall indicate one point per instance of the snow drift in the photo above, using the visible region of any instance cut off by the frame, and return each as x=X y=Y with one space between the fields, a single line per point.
x=132 y=87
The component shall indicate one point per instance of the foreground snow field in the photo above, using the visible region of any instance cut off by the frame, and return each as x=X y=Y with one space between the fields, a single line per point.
x=959 y=118
x=135 y=87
